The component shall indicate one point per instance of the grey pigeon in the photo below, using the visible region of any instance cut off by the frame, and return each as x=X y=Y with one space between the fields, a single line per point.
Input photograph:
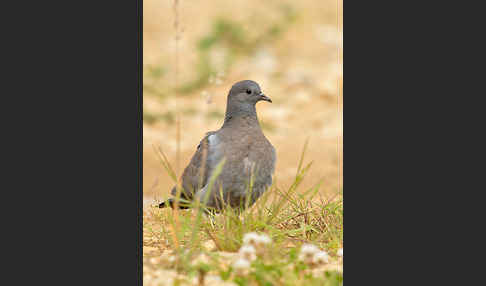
x=249 y=156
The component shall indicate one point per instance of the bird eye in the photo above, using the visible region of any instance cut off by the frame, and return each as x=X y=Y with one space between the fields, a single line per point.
x=248 y=91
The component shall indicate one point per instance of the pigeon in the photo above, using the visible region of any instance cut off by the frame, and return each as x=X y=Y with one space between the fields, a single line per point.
x=249 y=158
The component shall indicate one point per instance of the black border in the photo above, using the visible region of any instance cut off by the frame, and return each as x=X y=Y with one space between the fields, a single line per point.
x=71 y=144
x=140 y=144
x=70 y=189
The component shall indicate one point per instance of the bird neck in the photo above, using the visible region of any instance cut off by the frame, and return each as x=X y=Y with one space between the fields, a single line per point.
x=241 y=112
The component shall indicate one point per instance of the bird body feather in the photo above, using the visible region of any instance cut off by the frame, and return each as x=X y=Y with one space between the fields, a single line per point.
x=249 y=161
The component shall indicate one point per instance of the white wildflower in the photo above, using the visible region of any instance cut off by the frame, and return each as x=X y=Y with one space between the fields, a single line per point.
x=307 y=252
x=340 y=252
x=320 y=258
x=248 y=252
x=257 y=241
x=241 y=267
x=251 y=238
x=263 y=240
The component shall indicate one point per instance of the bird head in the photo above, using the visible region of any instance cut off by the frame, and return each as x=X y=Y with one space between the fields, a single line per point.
x=247 y=92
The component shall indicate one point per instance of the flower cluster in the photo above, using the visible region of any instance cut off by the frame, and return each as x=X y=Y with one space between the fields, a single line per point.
x=258 y=241
x=312 y=255
x=253 y=246
x=241 y=267
x=247 y=252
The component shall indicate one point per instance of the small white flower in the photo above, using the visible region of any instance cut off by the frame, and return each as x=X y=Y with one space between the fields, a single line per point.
x=257 y=241
x=264 y=239
x=307 y=252
x=248 y=252
x=251 y=238
x=309 y=248
x=320 y=258
x=241 y=266
x=340 y=252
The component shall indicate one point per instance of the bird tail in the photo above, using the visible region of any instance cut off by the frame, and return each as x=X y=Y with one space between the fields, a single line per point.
x=170 y=202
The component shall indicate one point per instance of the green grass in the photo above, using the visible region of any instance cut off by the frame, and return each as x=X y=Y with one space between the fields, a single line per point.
x=152 y=80
x=152 y=118
x=289 y=216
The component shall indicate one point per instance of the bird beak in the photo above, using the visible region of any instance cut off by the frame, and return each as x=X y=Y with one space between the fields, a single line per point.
x=263 y=97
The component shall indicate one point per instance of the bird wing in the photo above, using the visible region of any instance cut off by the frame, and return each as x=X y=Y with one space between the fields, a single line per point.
x=265 y=158
x=195 y=175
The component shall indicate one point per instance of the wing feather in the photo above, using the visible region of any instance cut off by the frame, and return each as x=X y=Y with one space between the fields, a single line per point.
x=195 y=175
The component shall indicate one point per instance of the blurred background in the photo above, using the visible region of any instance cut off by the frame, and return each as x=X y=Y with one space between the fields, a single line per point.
x=195 y=51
